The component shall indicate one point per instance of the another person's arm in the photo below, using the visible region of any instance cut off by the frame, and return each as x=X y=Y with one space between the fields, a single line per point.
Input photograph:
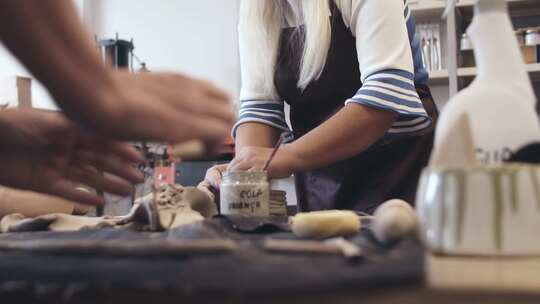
x=48 y=37
x=32 y=204
x=45 y=152
x=388 y=92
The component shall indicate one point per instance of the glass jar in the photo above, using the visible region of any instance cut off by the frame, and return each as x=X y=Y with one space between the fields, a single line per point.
x=245 y=193
x=531 y=50
x=533 y=36
x=467 y=52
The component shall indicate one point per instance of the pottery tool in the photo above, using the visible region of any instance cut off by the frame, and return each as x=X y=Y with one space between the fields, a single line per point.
x=300 y=247
x=349 y=249
x=337 y=246
x=273 y=154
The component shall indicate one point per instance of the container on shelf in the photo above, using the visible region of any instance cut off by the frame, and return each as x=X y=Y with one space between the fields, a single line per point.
x=531 y=49
x=532 y=36
x=467 y=52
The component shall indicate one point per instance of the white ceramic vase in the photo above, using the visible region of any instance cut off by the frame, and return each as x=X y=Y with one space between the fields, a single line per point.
x=490 y=211
x=500 y=102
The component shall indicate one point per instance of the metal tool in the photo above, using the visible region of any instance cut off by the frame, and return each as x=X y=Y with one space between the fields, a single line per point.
x=335 y=246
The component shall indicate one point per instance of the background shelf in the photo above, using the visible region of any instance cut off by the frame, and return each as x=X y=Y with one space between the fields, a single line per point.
x=524 y=14
x=441 y=77
x=433 y=9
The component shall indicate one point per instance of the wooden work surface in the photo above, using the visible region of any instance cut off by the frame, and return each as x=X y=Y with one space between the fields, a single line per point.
x=462 y=280
x=405 y=275
x=514 y=275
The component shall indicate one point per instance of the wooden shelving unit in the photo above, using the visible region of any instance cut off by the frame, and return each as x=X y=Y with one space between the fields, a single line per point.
x=432 y=10
x=422 y=8
x=441 y=77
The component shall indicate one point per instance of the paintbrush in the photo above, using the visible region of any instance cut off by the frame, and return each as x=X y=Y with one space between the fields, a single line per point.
x=271 y=157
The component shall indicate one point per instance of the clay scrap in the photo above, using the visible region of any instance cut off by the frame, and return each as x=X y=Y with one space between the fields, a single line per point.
x=168 y=207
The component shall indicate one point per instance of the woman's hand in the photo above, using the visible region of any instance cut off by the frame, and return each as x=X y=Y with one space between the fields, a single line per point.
x=284 y=164
x=214 y=175
x=212 y=180
x=44 y=152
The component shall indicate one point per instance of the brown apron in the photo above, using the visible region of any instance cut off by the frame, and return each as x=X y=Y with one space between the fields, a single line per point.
x=389 y=169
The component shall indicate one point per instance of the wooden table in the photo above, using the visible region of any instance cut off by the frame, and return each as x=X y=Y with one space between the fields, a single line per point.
x=514 y=275
x=453 y=280
x=448 y=280
x=466 y=280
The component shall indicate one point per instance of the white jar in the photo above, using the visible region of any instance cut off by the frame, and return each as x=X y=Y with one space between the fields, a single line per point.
x=481 y=210
x=532 y=37
x=245 y=193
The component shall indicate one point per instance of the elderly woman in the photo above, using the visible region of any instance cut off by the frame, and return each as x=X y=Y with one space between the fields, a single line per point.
x=361 y=113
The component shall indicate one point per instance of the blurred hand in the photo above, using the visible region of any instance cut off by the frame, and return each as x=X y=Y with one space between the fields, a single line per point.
x=214 y=175
x=44 y=152
x=161 y=107
x=254 y=159
x=212 y=181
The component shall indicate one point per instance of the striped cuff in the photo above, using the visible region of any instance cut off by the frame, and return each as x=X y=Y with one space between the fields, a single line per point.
x=394 y=90
x=265 y=112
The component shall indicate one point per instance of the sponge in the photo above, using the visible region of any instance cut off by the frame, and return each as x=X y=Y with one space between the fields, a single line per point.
x=325 y=224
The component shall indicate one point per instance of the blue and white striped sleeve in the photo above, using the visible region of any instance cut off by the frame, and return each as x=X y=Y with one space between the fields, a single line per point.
x=394 y=90
x=259 y=101
x=266 y=112
x=386 y=62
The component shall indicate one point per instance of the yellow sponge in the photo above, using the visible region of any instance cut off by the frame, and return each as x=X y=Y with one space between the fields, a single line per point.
x=325 y=224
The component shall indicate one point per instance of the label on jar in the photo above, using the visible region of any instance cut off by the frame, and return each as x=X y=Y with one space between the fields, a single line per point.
x=251 y=200
x=497 y=147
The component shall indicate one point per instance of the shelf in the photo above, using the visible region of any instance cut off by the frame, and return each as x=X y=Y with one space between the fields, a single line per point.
x=435 y=8
x=438 y=77
x=441 y=77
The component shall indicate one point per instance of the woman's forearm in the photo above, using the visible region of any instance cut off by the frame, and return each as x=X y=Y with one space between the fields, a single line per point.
x=351 y=131
x=51 y=41
x=255 y=135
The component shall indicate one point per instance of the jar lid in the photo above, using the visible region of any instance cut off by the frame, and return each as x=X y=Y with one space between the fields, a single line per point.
x=245 y=176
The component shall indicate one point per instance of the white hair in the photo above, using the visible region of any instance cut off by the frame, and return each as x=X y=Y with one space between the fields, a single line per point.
x=262 y=22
